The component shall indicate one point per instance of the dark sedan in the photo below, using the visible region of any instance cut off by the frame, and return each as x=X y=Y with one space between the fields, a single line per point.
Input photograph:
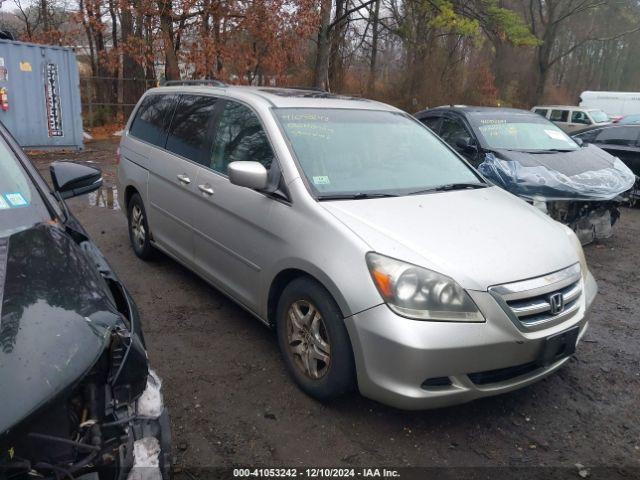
x=77 y=396
x=577 y=184
x=622 y=141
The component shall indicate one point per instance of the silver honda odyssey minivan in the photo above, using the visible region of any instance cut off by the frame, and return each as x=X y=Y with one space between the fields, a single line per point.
x=383 y=260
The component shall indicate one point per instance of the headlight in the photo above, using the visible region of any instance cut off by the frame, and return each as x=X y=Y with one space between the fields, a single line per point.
x=578 y=246
x=416 y=292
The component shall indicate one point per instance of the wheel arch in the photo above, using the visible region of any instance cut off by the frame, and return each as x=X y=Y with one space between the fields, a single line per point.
x=129 y=191
x=285 y=276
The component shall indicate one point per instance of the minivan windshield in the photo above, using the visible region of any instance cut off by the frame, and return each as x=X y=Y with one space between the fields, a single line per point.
x=520 y=131
x=362 y=153
x=21 y=206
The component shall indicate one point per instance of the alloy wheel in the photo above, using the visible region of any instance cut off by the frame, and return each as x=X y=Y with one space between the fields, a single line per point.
x=137 y=226
x=308 y=340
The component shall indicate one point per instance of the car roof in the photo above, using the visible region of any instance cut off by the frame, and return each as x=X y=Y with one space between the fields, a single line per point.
x=467 y=109
x=568 y=107
x=280 y=97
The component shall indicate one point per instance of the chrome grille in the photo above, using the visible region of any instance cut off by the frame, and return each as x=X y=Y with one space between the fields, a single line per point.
x=539 y=301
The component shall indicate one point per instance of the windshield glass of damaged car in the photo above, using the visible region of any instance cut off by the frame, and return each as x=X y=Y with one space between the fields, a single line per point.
x=367 y=152
x=521 y=132
x=20 y=204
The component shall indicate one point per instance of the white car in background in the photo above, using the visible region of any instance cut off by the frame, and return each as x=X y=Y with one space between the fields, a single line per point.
x=571 y=119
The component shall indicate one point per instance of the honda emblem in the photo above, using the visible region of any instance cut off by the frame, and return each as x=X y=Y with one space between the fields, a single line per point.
x=556 y=302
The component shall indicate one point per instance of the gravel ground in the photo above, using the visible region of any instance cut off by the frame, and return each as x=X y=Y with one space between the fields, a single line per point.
x=232 y=403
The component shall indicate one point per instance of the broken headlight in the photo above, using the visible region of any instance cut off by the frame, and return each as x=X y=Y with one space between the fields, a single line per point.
x=129 y=366
x=421 y=294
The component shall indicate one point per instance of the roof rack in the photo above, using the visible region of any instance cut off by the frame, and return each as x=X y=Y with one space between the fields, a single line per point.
x=210 y=82
x=311 y=89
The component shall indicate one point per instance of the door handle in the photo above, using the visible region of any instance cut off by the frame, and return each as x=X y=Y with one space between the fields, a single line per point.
x=206 y=189
x=184 y=179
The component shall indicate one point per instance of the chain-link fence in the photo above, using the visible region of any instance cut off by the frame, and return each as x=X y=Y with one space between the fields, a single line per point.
x=107 y=100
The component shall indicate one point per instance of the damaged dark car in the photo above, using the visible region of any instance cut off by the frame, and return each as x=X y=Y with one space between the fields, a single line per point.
x=77 y=396
x=579 y=185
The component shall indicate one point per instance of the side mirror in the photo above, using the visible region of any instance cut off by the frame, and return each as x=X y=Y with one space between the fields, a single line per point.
x=579 y=141
x=248 y=174
x=73 y=179
x=465 y=143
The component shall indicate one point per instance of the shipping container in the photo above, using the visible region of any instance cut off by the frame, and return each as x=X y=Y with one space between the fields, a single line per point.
x=40 y=95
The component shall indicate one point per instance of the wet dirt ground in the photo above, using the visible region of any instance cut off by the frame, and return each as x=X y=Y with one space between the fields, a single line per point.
x=232 y=403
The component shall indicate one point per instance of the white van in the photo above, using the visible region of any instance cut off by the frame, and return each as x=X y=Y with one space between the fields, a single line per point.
x=615 y=104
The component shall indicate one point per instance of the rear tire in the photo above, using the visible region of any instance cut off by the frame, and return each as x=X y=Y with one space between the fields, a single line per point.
x=313 y=340
x=139 y=233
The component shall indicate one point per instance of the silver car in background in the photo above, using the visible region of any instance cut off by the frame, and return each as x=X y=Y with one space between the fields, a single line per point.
x=382 y=259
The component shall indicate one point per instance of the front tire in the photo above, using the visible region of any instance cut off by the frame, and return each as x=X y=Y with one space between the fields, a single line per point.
x=314 y=341
x=139 y=233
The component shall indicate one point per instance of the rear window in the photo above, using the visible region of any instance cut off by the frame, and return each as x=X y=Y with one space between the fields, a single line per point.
x=152 y=119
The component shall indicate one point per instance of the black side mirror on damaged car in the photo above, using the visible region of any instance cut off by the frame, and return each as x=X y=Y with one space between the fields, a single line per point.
x=73 y=179
x=466 y=144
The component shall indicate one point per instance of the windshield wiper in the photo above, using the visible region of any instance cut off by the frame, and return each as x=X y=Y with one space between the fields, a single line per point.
x=355 y=196
x=448 y=187
x=547 y=150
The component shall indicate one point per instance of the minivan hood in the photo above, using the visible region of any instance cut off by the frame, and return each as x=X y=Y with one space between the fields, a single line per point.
x=479 y=237
x=55 y=319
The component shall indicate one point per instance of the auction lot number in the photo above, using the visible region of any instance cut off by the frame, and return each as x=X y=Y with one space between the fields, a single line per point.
x=313 y=473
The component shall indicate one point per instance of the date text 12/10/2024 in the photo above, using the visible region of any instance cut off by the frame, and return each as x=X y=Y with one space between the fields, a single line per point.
x=315 y=473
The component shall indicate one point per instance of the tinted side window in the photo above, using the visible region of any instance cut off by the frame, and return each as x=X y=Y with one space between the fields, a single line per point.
x=189 y=131
x=559 y=115
x=432 y=122
x=452 y=130
x=239 y=137
x=152 y=118
x=541 y=111
x=624 y=136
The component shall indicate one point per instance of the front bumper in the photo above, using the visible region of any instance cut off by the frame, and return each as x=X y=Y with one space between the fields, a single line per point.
x=395 y=356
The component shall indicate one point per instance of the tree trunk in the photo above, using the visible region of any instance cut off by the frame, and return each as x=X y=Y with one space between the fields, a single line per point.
x=171 y=68
x=543 y=60
x=132 y=72
x=321 y=70
x=336 y=34
x=371 y=81
x=115 y=73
